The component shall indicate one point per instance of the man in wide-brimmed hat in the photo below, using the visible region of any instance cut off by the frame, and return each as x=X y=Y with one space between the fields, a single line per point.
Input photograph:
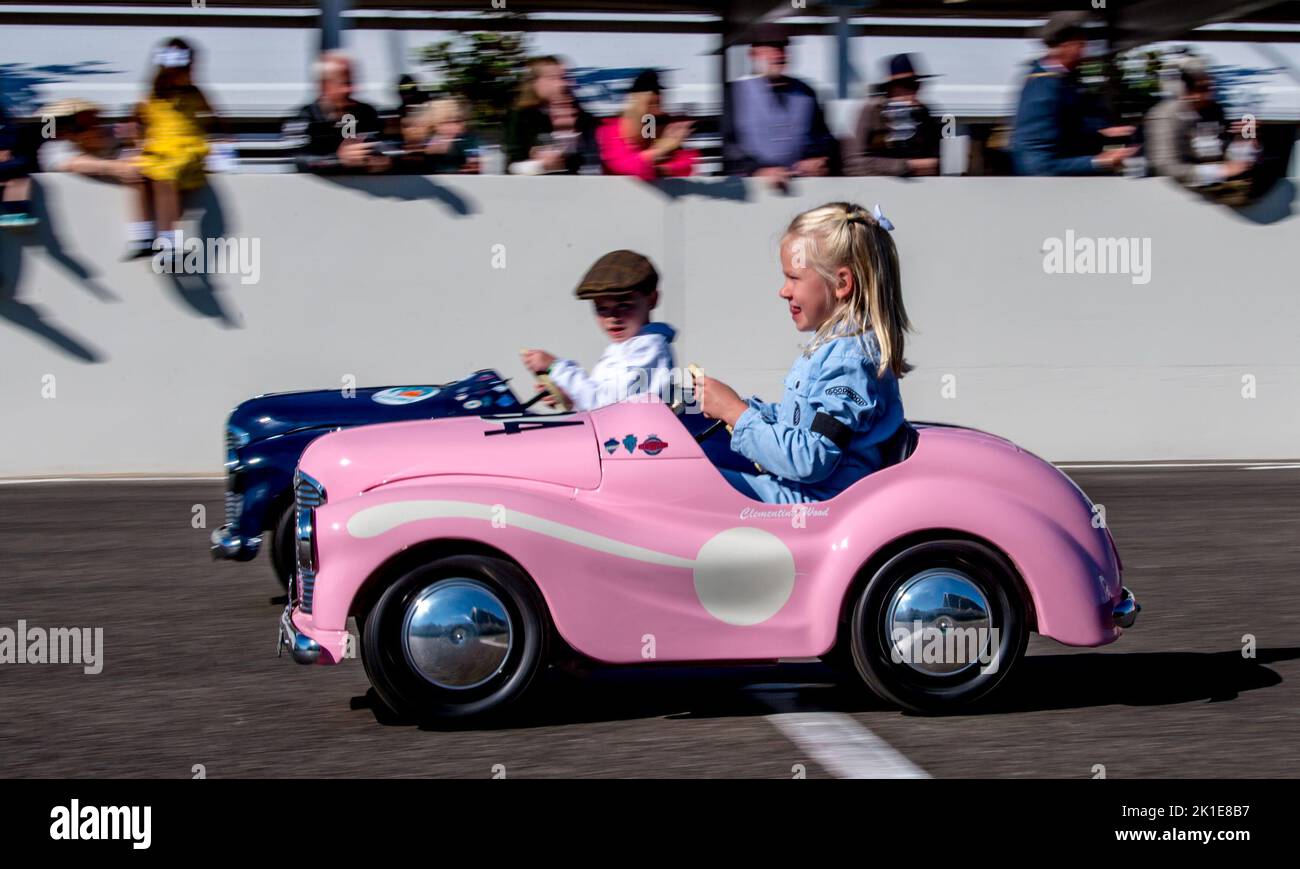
x=775 y=128
x=896 y=134
x=1057 y=131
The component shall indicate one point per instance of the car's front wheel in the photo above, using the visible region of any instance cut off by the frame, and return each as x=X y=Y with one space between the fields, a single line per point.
x=938 y=626
x=284 y=560
x=461 y=636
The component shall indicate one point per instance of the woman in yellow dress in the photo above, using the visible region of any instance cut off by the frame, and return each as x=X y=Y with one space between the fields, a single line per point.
x=173 y=124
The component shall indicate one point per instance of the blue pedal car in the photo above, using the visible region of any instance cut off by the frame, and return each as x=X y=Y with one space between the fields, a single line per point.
x=266 y=435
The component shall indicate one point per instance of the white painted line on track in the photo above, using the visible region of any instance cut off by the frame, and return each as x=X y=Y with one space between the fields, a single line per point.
x=838 y=743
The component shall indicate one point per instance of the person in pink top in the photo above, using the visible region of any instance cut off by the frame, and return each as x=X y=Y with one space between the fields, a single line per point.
x=642 y=141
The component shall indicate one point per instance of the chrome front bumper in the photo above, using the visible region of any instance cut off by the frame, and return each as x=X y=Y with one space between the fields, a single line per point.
x=1126 y=611
x=232 y=547
x=303 y=648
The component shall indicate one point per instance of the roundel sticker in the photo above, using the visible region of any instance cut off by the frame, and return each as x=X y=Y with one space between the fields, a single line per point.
x=404 y=395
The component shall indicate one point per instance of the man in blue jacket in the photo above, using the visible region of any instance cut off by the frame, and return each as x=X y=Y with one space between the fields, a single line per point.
x=1056 y=132
x=775 y=128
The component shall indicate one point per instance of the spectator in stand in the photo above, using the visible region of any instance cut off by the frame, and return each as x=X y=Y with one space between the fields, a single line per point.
x=1189 y=140
x=548 y=132
x=775 y=128
x=337 y=134
x=643 y=141
x=896 y=134
x=17 y=161
x=448 y=145
x=410 y=96
x=173 y=125
x=1057 y=131
x=84 y=145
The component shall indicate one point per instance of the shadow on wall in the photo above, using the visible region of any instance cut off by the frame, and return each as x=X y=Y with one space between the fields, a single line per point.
x=1273 y=206
x=406 y=188
x=19 y=81
x=31 y=317
x=197 y=291
x=730 y=188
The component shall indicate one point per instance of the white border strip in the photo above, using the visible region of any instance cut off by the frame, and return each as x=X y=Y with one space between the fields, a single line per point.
x=1139 y=466
x=22 y=481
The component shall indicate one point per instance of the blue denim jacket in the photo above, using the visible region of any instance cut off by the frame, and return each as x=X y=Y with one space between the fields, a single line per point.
x=825 y=434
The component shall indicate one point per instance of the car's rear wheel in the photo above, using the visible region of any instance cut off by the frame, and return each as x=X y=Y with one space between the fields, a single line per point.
x=461 y=636
x=283 y=559
x=938 y=626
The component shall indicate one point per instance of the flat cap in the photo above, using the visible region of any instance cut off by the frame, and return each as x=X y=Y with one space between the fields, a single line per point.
x=618 y=271
x=1064 y=26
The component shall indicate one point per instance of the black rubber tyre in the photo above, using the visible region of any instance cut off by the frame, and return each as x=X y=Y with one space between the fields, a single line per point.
x=404 y=690
x=284 y=560
x=899 y=682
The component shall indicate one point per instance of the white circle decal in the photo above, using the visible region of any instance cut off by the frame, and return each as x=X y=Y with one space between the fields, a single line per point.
x=743 y=576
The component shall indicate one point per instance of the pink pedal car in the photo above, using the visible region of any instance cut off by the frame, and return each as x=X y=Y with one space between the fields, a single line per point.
x=468 y=547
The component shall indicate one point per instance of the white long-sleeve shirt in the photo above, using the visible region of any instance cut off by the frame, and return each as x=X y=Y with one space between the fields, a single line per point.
x=642 y=363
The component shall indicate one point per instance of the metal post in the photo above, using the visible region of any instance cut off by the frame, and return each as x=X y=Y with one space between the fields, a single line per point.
x=844 y=69
x=331 y=23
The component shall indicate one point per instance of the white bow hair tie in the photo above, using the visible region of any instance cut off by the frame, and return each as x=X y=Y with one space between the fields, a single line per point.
x=885 y=223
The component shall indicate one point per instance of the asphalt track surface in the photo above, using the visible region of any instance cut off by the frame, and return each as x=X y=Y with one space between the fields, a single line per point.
x=191 y=678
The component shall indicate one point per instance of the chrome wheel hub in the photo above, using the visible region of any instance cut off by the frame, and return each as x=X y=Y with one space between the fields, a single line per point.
x=456 y=634
x=938 y=624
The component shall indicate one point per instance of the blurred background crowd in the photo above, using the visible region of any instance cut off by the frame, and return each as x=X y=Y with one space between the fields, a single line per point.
x=1079 y=112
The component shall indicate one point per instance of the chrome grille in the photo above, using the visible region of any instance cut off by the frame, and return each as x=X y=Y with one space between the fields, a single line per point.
x=236 y=440
x=306 y=491
x=308 y=494
x=234 y=506
x=306 y=589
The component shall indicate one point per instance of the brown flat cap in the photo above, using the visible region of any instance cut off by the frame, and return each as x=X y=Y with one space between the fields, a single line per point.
x=619 y=271
x=1064 y=26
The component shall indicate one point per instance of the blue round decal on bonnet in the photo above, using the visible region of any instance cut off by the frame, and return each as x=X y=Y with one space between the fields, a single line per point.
x=404 y=395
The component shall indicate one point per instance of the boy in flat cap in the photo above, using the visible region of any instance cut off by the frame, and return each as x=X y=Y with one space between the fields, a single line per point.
x=624 y=288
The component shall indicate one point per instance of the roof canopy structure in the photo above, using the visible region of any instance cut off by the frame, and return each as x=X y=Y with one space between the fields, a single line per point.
x=260 y=50
x=1131 y=21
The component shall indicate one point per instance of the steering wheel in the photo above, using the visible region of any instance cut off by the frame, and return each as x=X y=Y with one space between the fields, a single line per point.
x=561 y=400
x=697 y=372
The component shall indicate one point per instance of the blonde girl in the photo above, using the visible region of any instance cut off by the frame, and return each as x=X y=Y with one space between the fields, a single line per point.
x=841 y=401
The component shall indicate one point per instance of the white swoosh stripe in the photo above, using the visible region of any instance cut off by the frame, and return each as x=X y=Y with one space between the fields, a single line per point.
x=373 y=521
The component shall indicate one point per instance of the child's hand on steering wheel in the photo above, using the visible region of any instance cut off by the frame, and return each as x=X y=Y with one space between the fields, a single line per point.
x=550 y=399
x=718 y=400
x=537 y=361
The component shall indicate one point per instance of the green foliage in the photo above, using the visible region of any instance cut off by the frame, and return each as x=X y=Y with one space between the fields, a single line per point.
x=1130 y=80
x=483 y=68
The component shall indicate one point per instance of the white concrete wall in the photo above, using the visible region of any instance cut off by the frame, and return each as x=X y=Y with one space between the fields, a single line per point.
x=392 y=280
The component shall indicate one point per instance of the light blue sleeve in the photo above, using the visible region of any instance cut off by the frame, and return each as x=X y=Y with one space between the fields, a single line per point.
x=766 y=409
x=841 y=402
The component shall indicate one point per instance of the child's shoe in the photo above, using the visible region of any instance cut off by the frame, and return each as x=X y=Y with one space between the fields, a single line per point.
x=17 y=220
